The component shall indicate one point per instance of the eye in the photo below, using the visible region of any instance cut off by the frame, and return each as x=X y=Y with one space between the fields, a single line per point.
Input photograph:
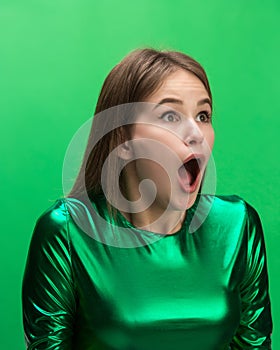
x=170 y=117
x=204 y=117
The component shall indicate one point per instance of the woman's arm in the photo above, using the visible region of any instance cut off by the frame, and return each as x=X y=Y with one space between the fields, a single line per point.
x=255 y=327
x=48 y=299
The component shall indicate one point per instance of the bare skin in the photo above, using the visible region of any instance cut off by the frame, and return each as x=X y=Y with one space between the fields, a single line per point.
x=180 y=125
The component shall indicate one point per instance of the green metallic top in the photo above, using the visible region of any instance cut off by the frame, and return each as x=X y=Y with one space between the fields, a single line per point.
x=90 y=285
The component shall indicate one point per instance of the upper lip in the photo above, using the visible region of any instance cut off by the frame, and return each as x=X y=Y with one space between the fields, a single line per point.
x=198 y=156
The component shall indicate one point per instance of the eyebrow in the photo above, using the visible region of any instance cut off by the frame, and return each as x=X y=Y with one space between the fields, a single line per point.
x=180 y=102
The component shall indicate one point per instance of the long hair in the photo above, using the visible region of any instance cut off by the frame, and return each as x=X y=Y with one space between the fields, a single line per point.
x=135 y=78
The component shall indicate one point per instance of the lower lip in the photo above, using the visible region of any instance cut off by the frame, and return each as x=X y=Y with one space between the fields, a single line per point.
x=193 y=187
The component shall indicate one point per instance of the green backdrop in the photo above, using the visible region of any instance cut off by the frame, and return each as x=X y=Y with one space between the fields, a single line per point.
x=54 y=57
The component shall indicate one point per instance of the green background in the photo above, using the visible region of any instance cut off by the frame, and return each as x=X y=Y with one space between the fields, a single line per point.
x=54 y=58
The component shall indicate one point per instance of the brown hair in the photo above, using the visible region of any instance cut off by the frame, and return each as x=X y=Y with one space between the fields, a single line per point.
x=136 y=77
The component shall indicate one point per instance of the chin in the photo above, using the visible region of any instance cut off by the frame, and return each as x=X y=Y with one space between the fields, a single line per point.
x=183 y=202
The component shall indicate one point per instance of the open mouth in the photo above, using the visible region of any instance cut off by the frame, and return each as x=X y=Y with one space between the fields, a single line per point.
x=189 y=172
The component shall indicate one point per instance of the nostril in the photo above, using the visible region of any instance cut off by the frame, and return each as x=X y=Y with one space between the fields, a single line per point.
x=194 y=139
x=190 y=141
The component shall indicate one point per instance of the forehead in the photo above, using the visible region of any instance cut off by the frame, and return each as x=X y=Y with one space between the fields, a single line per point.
x=180 y=83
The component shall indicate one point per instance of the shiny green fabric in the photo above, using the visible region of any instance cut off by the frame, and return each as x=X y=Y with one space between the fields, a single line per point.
x=206 y=290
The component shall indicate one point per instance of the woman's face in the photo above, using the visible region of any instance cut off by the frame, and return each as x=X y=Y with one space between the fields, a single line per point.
x=178 y=127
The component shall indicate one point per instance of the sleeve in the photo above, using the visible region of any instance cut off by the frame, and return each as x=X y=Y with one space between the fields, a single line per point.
x=48 y=298
x=255 y=329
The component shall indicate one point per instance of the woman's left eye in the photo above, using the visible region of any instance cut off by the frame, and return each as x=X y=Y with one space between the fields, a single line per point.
x=170 y=117
x=204 y=117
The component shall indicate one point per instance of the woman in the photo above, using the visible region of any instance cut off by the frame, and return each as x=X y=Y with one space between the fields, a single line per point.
x=136 y=257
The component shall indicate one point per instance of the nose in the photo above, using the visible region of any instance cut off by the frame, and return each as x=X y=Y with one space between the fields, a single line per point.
x=193 y=134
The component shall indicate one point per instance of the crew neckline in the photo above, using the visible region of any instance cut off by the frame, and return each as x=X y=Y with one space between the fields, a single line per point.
x=121 y=220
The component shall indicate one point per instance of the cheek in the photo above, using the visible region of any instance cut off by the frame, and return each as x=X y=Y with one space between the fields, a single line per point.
x=160 y=179
x=155 y=144
x=210 y=137
x=152 y=132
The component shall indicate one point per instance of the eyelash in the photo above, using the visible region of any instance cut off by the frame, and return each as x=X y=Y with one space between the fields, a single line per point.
x=169 y=112
x=206 y=113
x=208 y=116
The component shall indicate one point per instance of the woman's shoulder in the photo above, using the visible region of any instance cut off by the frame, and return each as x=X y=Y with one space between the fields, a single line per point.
x=52 y=223
x=225 y=199
x=64 y=213
x=234 y=216
x=228 y=200
x=231 y=206
x=54 y=215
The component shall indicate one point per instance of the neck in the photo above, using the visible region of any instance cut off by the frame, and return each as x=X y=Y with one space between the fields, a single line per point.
x=167 y=222
x=153 y=216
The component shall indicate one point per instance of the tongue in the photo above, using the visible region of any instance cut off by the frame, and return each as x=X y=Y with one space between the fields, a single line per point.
x=186 y=176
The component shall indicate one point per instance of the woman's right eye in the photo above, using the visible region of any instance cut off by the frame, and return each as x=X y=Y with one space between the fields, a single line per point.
x=170 y=117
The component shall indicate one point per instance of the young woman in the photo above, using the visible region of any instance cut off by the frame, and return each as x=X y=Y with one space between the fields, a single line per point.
x=136 y=256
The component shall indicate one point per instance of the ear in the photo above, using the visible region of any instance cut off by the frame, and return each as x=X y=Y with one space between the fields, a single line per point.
x=125 y=151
